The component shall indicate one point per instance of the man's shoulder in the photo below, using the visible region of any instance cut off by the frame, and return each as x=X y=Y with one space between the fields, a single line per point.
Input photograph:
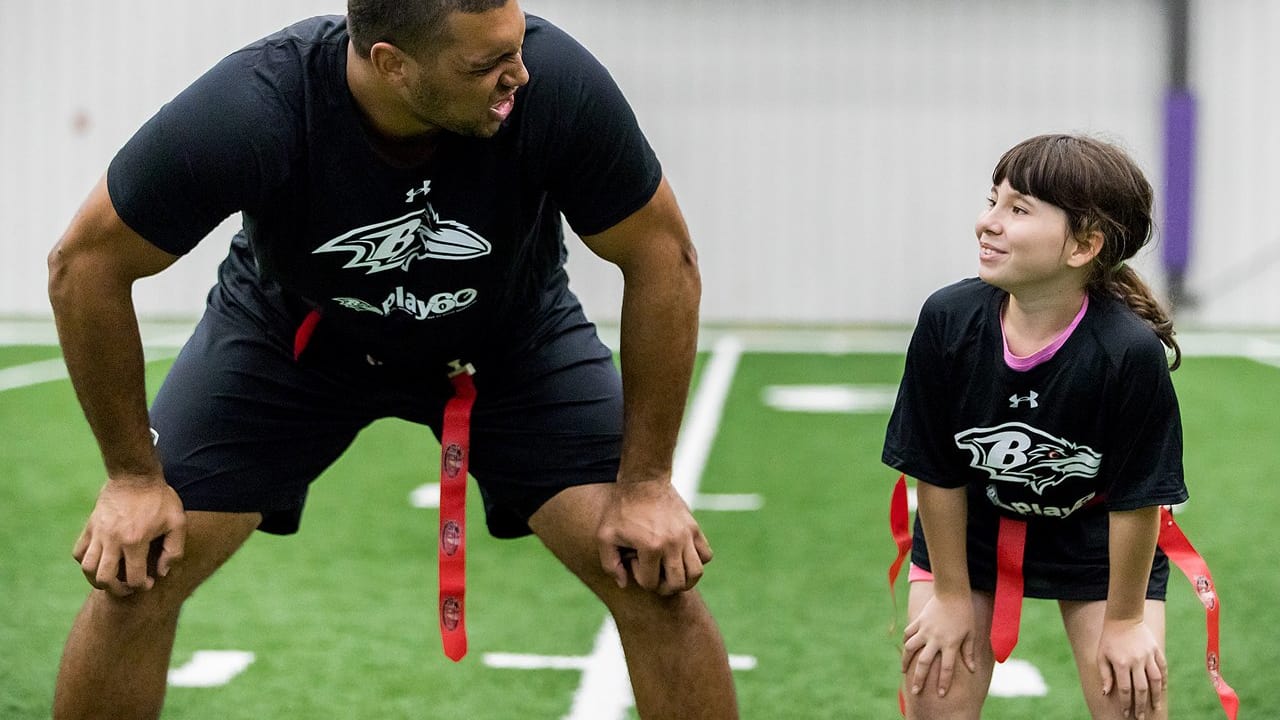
x=551 y=53
x=540 y=33
x=294 y=50
x=305 y=34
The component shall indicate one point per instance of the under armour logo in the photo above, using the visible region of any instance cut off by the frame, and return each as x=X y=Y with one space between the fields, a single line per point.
x=410 y=195
x=1015 y=401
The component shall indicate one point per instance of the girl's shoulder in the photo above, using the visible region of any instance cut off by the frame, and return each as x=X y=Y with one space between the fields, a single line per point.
x=1124 y=336
x=966 y=298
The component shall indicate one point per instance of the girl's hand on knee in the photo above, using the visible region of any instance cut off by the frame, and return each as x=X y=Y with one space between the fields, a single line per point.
x=943 y=631
x=1134 y=673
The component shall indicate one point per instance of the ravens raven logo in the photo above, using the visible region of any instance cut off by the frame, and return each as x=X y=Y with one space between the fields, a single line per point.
x=1018 y=453
x=397 y=243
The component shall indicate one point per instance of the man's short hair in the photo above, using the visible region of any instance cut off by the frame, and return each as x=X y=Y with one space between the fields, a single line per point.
x=411 y=25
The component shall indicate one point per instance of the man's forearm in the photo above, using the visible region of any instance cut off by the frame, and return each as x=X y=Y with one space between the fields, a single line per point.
x=101 y=345
x=658 y=344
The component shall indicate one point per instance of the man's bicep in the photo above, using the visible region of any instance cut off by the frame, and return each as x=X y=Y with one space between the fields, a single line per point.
x=656 y=230
x=99 y=236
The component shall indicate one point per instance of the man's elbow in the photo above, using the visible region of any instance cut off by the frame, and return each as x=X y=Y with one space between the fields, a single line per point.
x=692 y=273
x=75 y=271
x=60 y=265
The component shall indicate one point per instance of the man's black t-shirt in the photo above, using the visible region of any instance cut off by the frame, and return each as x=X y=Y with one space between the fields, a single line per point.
x=460 y=254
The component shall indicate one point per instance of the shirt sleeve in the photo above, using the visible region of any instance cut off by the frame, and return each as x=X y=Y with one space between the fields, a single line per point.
x=215 y=149
x=603 y=168
x=1146 y=441
x=918 y=441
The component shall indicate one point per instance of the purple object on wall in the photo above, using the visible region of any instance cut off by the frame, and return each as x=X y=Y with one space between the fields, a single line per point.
x=1179 y=171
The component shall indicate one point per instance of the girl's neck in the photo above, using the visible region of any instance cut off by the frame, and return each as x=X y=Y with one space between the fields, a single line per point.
x=1032 y=323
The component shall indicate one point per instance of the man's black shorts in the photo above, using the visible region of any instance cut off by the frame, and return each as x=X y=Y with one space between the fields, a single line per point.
x=242 y=426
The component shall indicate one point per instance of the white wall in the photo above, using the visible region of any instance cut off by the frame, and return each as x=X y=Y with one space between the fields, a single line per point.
x=830 y=156
x=1236 y=258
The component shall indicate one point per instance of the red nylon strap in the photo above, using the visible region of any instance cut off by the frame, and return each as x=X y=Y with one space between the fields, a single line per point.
x=302 y=337
x=455 y=455
x=901 y=529
x=1180 y=551
x=1007 y=613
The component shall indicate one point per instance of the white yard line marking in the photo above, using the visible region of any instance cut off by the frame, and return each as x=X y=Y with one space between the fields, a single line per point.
x=745 y=502
x=1017 y=678
x=605 y=685
x=425 y=496
x=604 y=692
x=210 y=668
x=831 y=398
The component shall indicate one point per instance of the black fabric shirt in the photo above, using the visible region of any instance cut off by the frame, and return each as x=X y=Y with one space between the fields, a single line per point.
x=463 y=251
x=1095 y=428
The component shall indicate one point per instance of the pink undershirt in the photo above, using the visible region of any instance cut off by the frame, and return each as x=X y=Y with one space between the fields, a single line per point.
x=1023 y=364
x=1018 y=364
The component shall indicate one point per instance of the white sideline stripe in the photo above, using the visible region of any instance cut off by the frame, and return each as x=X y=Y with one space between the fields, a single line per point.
x=155 y=333
x=210 y=668
x=1017 y=678
x=32 y=373
x=425 y=496
x=745 y=502
x=43 y=371
x=695 y=440
x=831 y=398
x=1263 y=346
x=604 y=692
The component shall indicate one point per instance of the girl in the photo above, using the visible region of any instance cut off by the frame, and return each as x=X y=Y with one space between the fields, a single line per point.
x=1037 y=412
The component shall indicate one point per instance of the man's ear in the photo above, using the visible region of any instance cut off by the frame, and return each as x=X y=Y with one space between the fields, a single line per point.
x=1086 y=249
x=391 y=63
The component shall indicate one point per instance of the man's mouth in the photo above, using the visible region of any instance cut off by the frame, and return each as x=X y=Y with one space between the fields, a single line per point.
x=502 y=109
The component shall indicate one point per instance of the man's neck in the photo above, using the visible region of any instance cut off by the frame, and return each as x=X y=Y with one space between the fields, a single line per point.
x=379 y=105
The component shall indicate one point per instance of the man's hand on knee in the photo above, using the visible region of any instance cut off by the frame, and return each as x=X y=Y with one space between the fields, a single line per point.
x=135 y=534
x=648 y=533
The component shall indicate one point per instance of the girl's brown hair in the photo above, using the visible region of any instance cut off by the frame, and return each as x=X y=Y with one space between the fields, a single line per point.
x=1101 y=189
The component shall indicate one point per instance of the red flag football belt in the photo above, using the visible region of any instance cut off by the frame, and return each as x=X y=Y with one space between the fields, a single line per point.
x=455 y=456
x=1010 y=545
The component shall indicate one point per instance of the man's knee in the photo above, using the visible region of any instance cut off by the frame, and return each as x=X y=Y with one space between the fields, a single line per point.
x=651 y=612
x=211 y=539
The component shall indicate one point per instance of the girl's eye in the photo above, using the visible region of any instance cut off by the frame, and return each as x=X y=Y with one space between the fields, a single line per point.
x=1017 y=210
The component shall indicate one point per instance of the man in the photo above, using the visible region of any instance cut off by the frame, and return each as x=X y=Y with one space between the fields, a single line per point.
x=402 y=175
